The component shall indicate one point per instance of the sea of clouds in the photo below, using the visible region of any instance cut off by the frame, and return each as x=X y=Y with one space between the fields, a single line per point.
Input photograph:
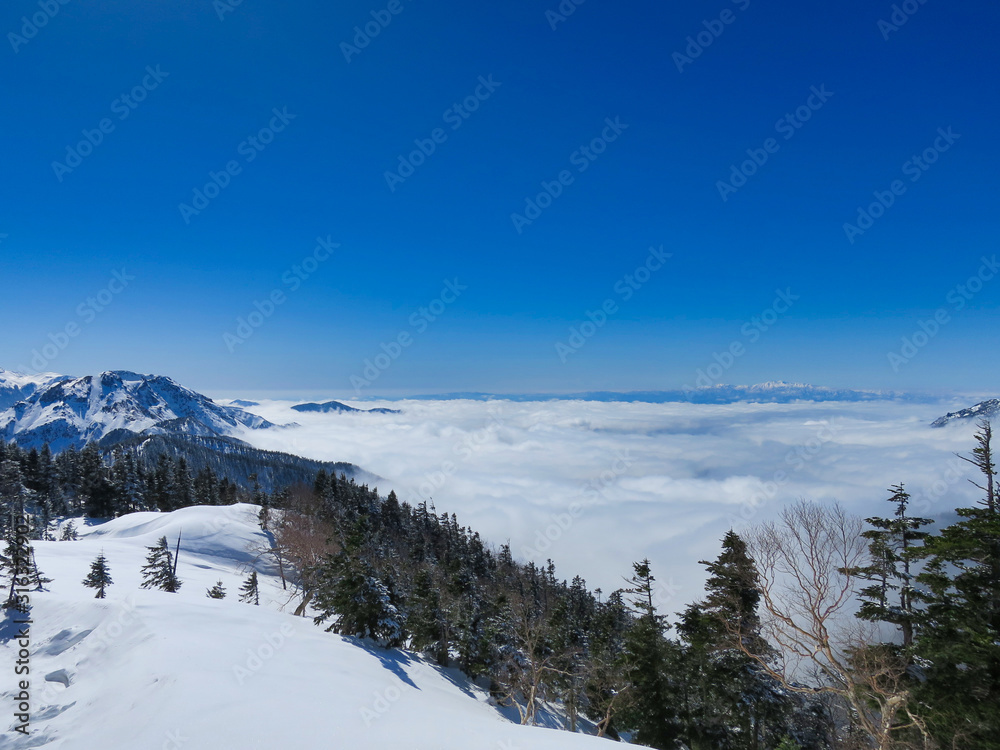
x=597 y=485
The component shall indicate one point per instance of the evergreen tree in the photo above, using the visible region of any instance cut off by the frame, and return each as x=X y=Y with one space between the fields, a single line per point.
x=426 y=620
x=35 y=575
x=606 y=687
x=68 y=533
x=99 y=577
x=128 y=496
x=249 y=592
x=217 y=591
x=893 y=546
x=162 y=490
x=650 y=711
x=158 y=572
x=958 y=636
x=350 y=590
x=729 y=701
x=95 y=486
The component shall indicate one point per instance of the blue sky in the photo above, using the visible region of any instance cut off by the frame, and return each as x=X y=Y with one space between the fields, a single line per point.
x=887 y=94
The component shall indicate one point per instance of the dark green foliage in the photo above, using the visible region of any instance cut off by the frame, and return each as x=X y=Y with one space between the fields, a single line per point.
x=894 y=544
x=158 y=572
x=651 y=710
x=427 y=622
x=99 y=577
x=356 y=598
x=249 y=592
x=727 y=700
x=217 y=591
x=958 y=640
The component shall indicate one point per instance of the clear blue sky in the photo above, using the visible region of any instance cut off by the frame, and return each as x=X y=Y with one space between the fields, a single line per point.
x=656 y=183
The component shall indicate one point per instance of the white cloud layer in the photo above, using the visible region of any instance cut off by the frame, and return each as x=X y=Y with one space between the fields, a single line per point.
x=596 y=486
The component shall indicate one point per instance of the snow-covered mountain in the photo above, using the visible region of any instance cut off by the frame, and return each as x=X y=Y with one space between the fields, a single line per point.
x=982 y=410
x=16 y=387
x=66 y=412
x=148 y=669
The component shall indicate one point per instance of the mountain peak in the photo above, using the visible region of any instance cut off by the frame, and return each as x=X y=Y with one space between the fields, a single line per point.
x=68 y=411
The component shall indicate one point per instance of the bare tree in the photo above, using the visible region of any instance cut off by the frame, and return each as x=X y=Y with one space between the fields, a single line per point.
x=529 y=664
x=305 y=541
x=610 y=688
x=808 y=598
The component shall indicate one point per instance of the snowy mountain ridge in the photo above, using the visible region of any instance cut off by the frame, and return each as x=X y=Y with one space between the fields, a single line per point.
x=15 y=386
x=64 y=411
x=704 y=392
x=984 y=409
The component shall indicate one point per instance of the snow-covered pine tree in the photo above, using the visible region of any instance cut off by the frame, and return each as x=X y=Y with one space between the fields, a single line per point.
x=158 y=572
x=426 y=620
x=217 y=591
x=99 y=577
x=350 y=590
x=249 y=592
x=68 y=533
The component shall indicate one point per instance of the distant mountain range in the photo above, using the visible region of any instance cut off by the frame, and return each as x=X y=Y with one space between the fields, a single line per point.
x=337 y=407
x=982 y=410
x=71 y=412
x=770 y=392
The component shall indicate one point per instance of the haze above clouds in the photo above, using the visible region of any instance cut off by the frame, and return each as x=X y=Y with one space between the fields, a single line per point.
x=596 y=486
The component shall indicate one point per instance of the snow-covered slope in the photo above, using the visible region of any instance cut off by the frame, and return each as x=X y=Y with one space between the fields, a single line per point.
x=148 y=669
x=75 y=411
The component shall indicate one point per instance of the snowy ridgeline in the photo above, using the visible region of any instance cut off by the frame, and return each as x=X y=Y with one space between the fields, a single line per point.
x=148 y=669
